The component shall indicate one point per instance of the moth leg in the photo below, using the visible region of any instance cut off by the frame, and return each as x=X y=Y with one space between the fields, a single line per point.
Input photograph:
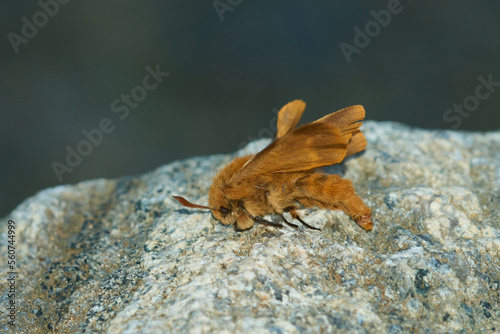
x=258 y=219
x=243 y=222
x=287 y=222
x=267 y=222
x=295 y=215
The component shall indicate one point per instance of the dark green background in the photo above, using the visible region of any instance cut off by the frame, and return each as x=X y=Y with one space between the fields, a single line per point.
x=226 y=76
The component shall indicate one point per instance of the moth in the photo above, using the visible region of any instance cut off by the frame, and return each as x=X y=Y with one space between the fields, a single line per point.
x=285 y=174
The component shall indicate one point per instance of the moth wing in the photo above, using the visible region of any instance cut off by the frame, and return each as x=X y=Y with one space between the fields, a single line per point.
x=307 y=147
x=289 y=116
x=348 y=120
x=356 y=144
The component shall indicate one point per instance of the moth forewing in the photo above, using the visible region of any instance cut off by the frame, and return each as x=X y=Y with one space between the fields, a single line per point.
x=304 y=148
x=347 y=120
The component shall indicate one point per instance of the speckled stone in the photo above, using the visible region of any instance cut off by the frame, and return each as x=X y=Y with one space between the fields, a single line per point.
x=121 y=256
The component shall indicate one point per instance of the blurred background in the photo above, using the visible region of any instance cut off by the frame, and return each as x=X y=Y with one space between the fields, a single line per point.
x=64 y=68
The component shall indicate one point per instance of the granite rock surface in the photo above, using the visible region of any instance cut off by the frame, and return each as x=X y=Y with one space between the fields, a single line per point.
x=121 y=256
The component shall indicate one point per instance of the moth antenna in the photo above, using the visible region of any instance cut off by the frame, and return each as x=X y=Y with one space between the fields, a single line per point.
x=185 y=202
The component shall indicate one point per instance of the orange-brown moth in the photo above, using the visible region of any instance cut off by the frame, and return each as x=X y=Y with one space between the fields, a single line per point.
x=284 y=174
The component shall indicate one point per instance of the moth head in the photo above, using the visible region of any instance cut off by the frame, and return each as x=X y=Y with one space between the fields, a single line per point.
x=222 y=209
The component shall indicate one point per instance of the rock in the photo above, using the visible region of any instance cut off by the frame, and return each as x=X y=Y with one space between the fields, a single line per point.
x=122 y=256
